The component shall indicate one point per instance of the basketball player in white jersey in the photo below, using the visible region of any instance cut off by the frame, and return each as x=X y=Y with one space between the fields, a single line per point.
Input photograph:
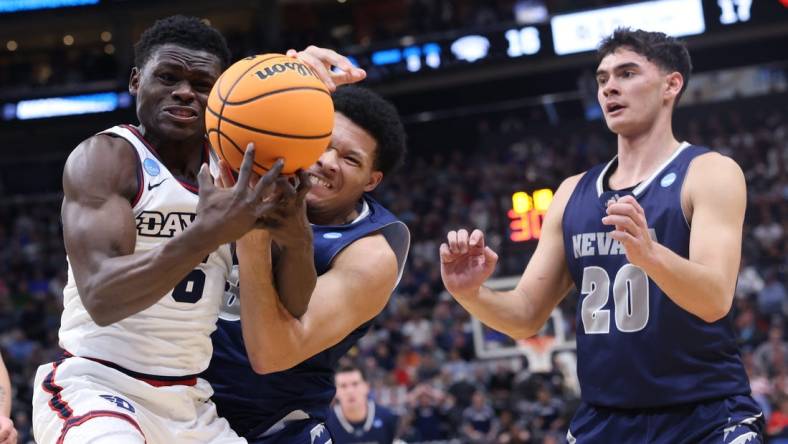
x=146 y=239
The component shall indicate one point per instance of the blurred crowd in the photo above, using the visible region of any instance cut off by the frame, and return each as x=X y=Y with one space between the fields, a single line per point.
x=420 y=357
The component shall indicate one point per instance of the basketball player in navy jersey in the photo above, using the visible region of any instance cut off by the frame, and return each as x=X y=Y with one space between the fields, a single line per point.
x=275 y=386
x=356 y=419
x=147 y=252
x=652 y=240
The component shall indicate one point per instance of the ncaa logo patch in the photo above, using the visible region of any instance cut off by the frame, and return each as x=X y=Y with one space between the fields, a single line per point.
x=332 y=235
x=151 y=166
x=668 y=180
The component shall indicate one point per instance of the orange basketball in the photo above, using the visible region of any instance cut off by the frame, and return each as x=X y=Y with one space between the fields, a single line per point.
x=276 y=102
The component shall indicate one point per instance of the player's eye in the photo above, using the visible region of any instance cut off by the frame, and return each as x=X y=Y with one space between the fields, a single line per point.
x=167 y=78
x=628 y=74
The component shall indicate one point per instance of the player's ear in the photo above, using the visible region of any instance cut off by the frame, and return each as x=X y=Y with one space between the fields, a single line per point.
x=673 y=84
x=134 y=81
x=374 y=180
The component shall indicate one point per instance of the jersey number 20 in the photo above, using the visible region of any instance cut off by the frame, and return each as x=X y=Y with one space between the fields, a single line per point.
x=630 y=299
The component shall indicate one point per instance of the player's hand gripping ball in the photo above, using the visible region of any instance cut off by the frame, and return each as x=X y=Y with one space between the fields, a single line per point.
x=276 y=102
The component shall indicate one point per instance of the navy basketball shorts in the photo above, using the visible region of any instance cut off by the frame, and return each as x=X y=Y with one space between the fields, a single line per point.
x=733 y=420
x=306 y=431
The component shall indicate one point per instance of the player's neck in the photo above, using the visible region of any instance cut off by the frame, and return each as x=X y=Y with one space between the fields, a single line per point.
x=640 y=155
x=355 y=413
x=182 y=158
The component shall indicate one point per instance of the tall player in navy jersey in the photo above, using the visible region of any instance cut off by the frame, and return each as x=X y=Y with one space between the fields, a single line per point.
x=276 y=386
x=652 y=240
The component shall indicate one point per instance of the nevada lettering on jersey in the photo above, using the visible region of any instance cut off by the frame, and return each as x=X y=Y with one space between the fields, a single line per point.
x=156 y=224
x=600 y=244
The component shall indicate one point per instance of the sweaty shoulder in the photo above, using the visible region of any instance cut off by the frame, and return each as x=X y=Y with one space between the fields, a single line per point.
x=99 y=167
x=710 y=177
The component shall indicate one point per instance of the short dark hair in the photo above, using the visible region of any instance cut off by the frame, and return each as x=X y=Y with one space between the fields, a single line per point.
x=189 y=32
x=380 y=119
x=668 y=53
x=351 y=368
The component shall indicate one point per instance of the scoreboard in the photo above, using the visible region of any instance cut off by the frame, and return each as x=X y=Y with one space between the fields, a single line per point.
x=562 y=34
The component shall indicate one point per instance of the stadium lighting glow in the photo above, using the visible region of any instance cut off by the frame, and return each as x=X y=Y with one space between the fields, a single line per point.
x=471 y=48
x=582 y=31
x=66 y=106
x=29 y=5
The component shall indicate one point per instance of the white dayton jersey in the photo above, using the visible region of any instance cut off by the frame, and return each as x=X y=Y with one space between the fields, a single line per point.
x=171 y=338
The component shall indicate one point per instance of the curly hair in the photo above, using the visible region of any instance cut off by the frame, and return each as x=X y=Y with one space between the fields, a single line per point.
x=668 y=53
x=380 y=119
x=189 y=32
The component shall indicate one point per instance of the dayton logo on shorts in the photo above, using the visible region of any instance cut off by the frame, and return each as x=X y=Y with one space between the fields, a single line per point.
x=155 y=224
x=118 y=401
x=276 y=68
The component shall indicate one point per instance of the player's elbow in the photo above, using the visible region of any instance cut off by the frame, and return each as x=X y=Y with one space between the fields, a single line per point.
x=265 y=365
x=101 y=312
x=716 y=311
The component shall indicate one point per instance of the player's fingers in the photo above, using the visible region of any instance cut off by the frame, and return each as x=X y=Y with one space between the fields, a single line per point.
x=319 y=68
x=304 y=183
x=246 y=166
x=342 y=77
x=451 y=239
x=5 y=432
x=291 y=53
x=462 y=240
x=445 y=254
x=204 y=179
x=268 y=179
x=622 y=208
x=333 y=58
x=226 y=174
x=476 y=240
x=624 y=237
x=621 y=222
x=490 y=256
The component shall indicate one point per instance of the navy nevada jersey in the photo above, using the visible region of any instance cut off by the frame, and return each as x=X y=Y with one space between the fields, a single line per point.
x=379 y=427
x=636 y=348
x=252 y=403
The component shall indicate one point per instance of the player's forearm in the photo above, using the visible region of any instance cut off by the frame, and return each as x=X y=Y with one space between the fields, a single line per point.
x=701 y=290
x=270 y=333
x=125 y=285
x=296 y=276
x=506 y=312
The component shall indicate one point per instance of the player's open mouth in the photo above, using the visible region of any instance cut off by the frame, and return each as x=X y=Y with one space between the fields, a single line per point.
x=613 y=108
x=319 y=181
x=181 y=113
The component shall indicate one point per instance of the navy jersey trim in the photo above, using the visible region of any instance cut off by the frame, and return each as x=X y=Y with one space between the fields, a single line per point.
x=600 y=188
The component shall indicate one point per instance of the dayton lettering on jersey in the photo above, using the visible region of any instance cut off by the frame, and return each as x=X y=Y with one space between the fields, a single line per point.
x=270 y=71
x=599 y=244
x=156 y=224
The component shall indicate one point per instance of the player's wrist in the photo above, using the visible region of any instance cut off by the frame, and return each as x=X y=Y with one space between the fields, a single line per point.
x=466 y=293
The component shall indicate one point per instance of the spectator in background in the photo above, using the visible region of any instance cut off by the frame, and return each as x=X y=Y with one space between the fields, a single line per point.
x=479 y=422
x=355 y=418
x=777 y=427
x=772 y=297
x=771 y=357
x=8 y=433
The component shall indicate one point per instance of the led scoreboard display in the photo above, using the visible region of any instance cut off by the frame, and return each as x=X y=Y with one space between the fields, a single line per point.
x=527 y=214
x=565 y=33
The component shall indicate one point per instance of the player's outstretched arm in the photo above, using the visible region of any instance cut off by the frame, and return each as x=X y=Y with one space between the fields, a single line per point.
x=466 y=263
x=353 y=291
x=716 y=194
x=99 y=229
x=8 y=433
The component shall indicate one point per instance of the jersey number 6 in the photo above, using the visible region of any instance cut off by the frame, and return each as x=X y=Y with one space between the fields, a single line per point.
x=630 y=299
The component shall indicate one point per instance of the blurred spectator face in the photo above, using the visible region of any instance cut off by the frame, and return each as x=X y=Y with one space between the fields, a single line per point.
x=352 y=389
x=477 y=400
x=631 y=91
x=172 y=90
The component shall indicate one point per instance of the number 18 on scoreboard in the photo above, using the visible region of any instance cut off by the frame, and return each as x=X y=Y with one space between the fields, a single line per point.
x=527 y=214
